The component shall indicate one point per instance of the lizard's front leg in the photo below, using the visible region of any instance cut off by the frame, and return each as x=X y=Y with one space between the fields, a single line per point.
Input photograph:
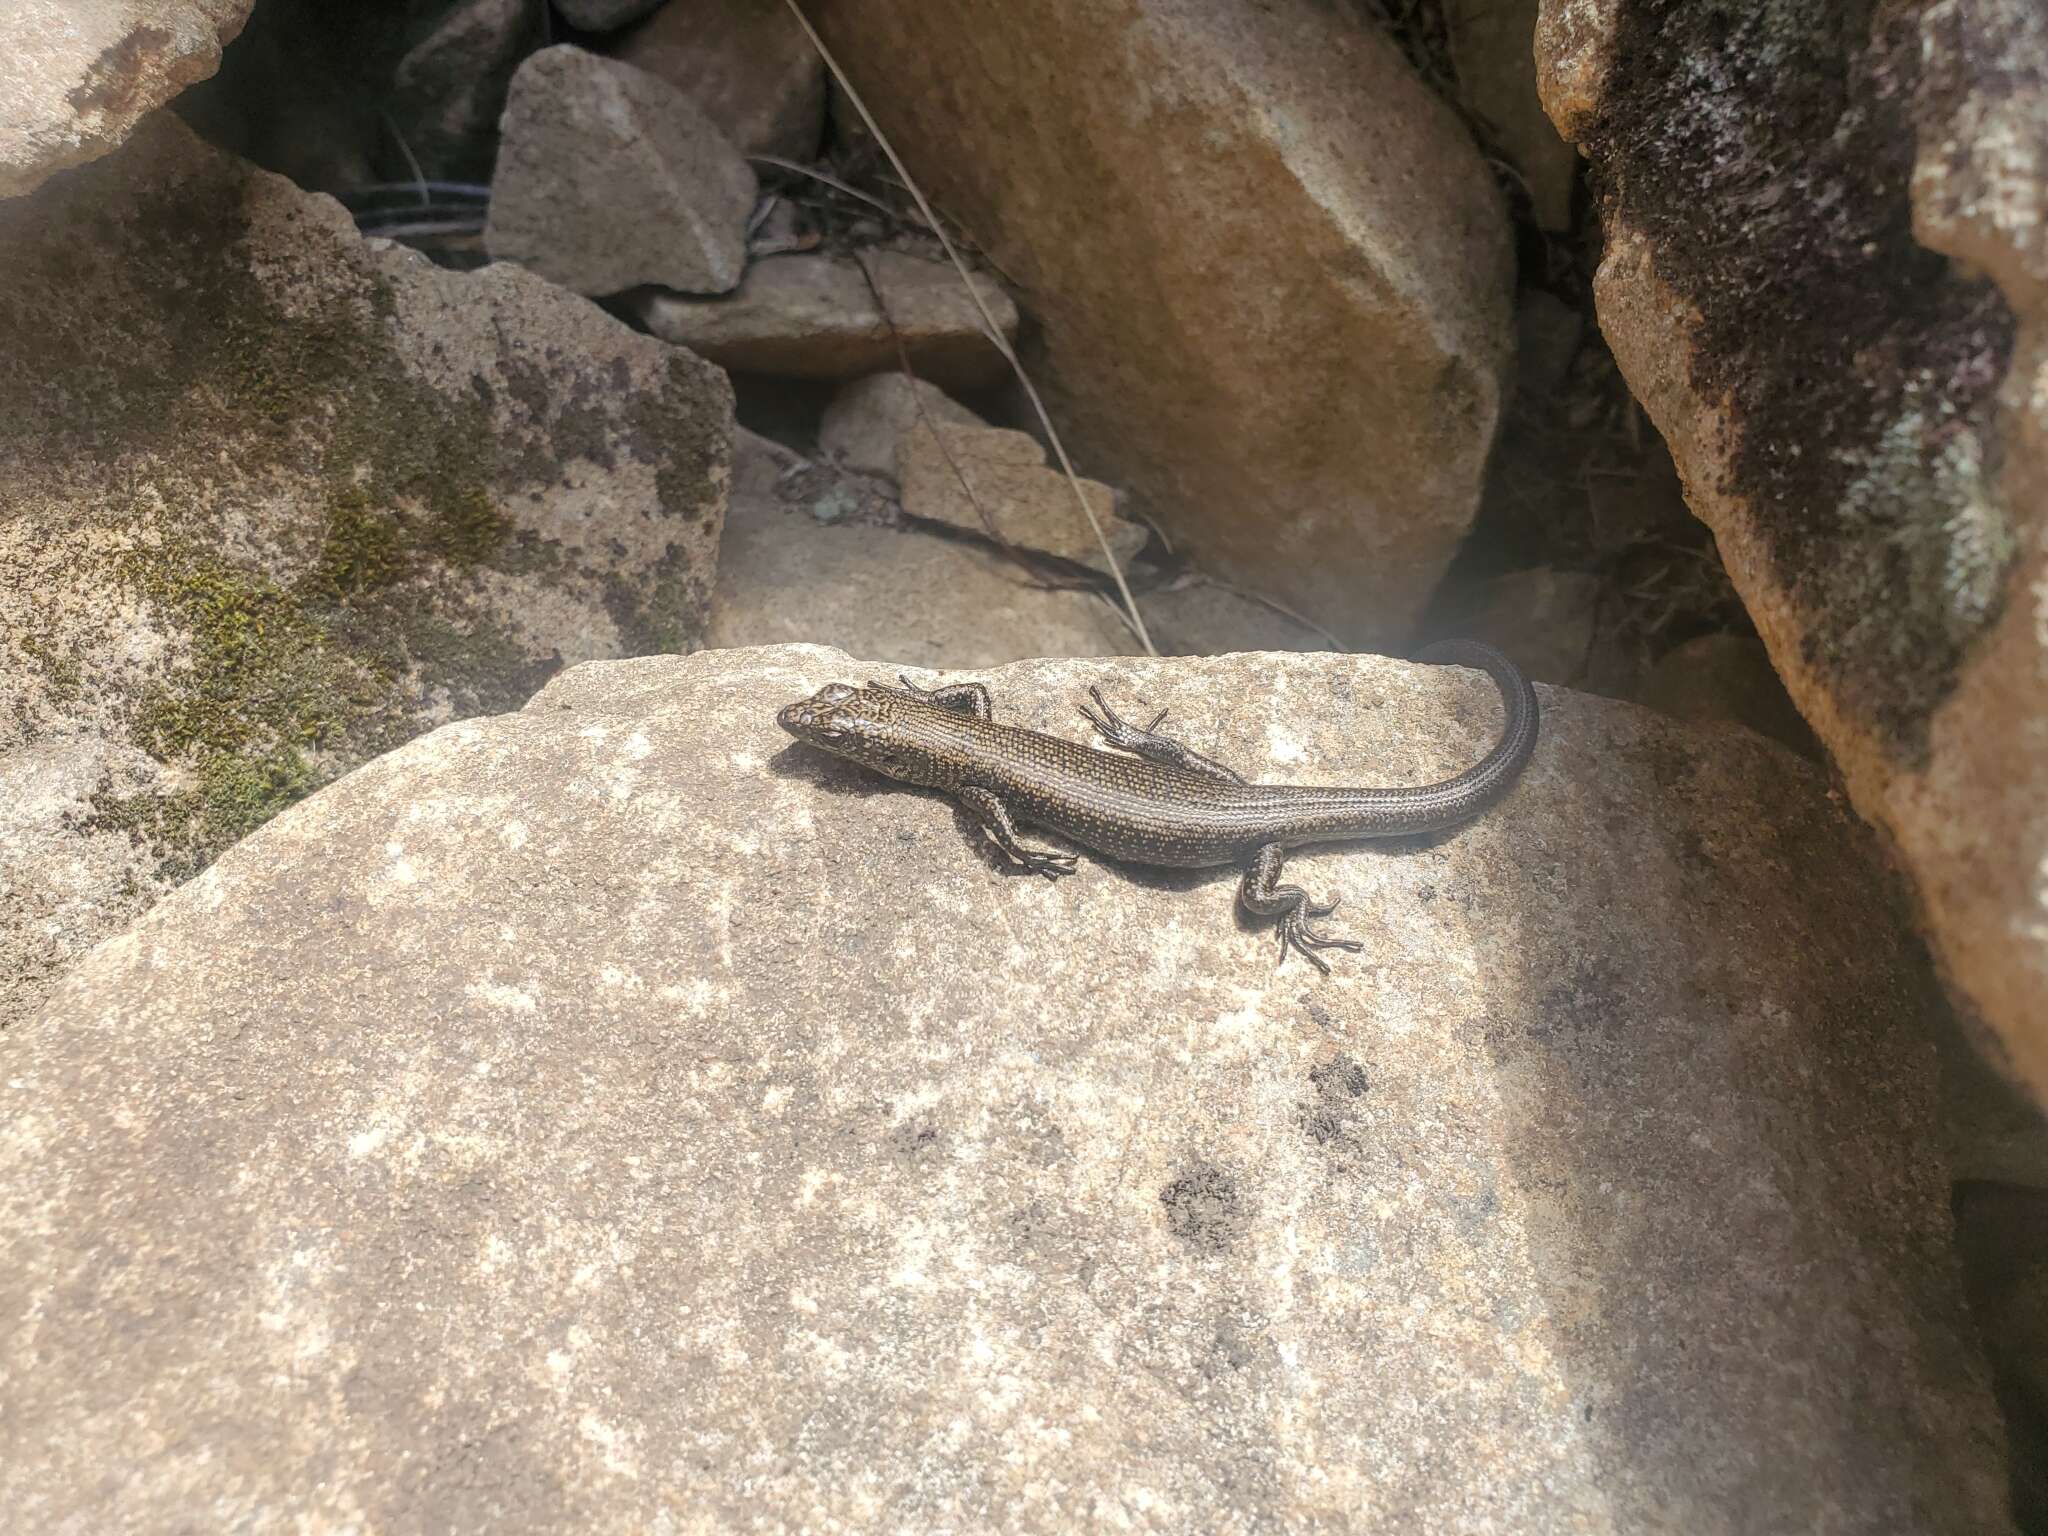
x=1146 y=742
x=1261 y=893
x=994 y=817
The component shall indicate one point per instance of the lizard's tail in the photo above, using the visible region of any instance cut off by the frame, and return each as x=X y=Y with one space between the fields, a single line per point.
x=1488 y=779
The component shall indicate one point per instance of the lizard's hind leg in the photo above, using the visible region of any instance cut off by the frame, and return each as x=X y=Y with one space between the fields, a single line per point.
x=1261 y=893
x=1146 y=742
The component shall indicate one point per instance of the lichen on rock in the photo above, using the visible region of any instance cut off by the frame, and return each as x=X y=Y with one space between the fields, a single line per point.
x=273 y=499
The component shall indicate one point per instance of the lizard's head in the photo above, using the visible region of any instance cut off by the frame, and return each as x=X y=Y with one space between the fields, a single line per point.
x=870 y=725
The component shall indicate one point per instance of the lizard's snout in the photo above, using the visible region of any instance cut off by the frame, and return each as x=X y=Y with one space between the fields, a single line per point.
x=794 y=718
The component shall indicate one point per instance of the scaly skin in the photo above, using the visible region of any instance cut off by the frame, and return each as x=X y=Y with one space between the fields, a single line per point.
x=1165 y=804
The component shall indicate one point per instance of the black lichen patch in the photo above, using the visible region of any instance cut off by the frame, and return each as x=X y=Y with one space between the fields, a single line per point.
x=662 y=620
x=1765 y=151
x=1586 y=1012
x=1332 y=1113
x=1204 y=1208
x=114 y=82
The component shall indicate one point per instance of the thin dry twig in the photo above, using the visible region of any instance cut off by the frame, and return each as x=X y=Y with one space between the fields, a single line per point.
x=988 y=521
x=1280 y=608
x=995 y=332
x=419 y=176
x=827 y=179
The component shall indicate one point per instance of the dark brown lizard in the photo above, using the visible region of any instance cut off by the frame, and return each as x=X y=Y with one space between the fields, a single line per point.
x=1165 y=804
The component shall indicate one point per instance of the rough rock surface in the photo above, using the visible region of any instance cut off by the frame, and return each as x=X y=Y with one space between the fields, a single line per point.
x=746 y=63
x=957 y=474
x=608 y=15
x=609 y=177
x=449 y=88
x=870 y=417
x=1272 y=276
x=614 y=1109
x=813 y=316
x=1541 y=617
x=1199 y=617
x=274 y=499
x=1863 y=422
x=76 y=76
x=1727 y=677
x=2002 y=1234
x=1493 y=55
x=793 y=565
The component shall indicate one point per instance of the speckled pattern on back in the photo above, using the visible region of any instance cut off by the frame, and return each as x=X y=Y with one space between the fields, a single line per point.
x=1151 y=809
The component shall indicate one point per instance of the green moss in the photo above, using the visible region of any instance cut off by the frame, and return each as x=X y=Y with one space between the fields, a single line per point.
x=465 y=527
x=361 y=550
x=479 y=651
x=260 y=687
x=232 y=368
x=235 y=795
x=62 y=674
x=261 y=671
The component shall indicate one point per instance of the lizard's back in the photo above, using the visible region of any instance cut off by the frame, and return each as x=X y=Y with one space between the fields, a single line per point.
x=1146 y=812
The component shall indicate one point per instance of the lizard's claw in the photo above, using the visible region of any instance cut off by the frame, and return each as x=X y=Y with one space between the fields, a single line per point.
x=1114 y=729
x=1295 y=933
x=1041 y=861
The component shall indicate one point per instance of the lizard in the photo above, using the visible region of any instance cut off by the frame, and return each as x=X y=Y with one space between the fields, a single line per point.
x=1164 y=803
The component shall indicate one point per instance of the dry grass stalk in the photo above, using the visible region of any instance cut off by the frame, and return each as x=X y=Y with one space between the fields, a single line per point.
x=994 y=331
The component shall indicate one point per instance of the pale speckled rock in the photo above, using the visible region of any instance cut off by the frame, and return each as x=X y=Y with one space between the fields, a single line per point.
x=870 y=417
x=1269 y=277
x=614 y=1109
x=813 y=316
x=274 y=499
x=746 y=63
x=786 y=573
x=76 y=76
x=1862 y=420
x=609 y=177
x=963 y=475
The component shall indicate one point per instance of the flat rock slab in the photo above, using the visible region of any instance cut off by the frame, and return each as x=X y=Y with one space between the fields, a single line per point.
x=609 y=177
x=76 y=76
x=1198 y=617
x=995 y=482
x=868 y=420
x=813 y=316
x=613 y=1110
x=274 y=498
x=791 y=567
